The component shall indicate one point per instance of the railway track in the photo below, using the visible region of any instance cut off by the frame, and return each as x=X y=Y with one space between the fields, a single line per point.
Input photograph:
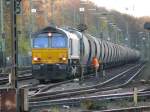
x=43 y=88
x=23 y=74
x=130 y=109
x=88 y=90
x=20 y=78
x=76 y=100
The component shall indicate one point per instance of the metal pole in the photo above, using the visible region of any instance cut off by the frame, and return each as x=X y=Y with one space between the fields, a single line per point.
x=74 y=17
x=148 y=46
x=31 y=17
x=2 y=20
x=63 y=16
x=14 y=56
x=97 y=26
x=81 y=22
x=46 y=14
x=52 y=12
x=45 y=18
x=127 y=28
x=3 y=34
x=14 y=44
x=117 y=36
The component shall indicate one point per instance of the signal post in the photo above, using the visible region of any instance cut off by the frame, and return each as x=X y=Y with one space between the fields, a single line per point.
x=20 y=93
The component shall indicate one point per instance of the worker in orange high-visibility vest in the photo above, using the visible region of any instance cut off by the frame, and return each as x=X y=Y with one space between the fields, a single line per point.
x=95 y=64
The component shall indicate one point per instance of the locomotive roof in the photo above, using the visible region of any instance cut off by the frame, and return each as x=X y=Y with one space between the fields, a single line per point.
x=49 y=29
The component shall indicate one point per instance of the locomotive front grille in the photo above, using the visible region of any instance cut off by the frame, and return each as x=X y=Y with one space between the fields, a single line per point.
x=56 y=67
x=50 y=67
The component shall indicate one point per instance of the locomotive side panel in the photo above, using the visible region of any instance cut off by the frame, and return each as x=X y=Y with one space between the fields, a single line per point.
x=74 y=46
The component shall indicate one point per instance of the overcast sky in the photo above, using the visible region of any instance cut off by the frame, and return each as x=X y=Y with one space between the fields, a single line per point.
x=133 y=7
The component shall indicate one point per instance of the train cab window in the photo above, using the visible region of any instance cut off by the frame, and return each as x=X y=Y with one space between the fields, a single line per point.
x=55 y=41
x=41 y=41
x=58 y=41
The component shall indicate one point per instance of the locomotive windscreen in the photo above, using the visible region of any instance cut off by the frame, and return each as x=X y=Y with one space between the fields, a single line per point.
x=56 y=40
x=41 y=41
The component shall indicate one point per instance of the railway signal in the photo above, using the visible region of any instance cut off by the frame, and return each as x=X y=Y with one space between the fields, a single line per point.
x=18 y=6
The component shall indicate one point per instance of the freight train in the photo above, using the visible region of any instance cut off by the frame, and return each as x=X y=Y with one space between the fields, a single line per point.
x=58 y=53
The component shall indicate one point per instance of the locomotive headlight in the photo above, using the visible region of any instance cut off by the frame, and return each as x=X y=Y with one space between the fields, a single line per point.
x=49 y=34
x=36 y=59
x=64 y=59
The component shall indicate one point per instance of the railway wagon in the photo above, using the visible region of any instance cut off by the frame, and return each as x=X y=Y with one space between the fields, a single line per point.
x=58 y=53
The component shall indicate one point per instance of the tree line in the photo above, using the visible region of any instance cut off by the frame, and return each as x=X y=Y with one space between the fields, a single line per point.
x=100 y=22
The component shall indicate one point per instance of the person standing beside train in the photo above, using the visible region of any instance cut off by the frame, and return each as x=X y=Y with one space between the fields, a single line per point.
x=95 y=64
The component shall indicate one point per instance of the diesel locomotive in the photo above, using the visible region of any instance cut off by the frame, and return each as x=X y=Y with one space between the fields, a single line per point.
x=57 y=53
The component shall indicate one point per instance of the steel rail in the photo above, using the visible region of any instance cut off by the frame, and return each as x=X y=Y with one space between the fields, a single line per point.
x=129 y=109
x=68 y=101
x=53 y=95
x=50 y=86
x=88 y=87
x=45 y=88
x=27 y=76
